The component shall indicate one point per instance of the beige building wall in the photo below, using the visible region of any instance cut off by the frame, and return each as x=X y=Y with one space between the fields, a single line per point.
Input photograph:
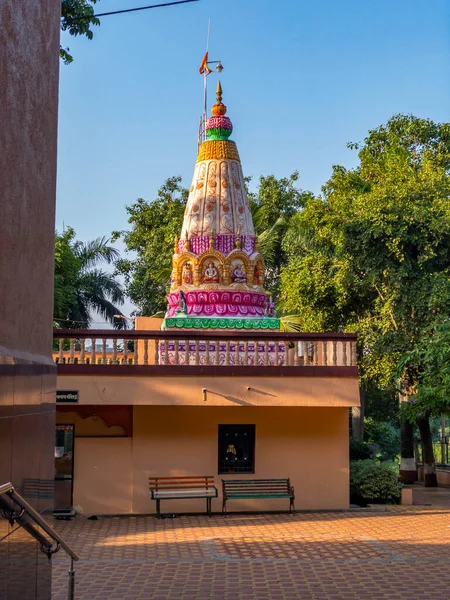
x=237 y=391
x=103 y=476
x=309 y=445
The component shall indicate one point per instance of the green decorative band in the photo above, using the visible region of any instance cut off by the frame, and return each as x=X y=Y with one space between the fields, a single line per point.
x=215 y=323
x=218 y=133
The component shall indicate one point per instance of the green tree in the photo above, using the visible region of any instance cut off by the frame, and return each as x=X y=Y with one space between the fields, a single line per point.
x=81 y=288
x=372 y=254
x=273 y=205
x=154 y=226
x=71 y=11
x=430 y=360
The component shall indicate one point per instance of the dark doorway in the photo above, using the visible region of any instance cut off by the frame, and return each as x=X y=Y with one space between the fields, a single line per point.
x=64 y=461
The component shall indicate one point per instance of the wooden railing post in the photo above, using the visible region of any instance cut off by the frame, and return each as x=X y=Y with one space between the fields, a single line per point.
x=71 y=351
x=296 y=355
x=166 y=352
x=146 y=351
x=197 y=353
x=82 y=351
x=306 y=354
x=217 y=353
x=187 y=355
x=316 y=354
x=353 y=359
x=344 y=353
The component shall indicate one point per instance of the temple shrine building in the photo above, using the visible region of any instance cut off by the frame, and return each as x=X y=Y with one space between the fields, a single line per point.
x=214 y=388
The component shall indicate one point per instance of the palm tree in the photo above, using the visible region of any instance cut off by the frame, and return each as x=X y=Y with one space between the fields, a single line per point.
x=81 y=287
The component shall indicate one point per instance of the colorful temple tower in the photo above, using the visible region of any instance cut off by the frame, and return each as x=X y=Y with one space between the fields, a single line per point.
x=217 y=277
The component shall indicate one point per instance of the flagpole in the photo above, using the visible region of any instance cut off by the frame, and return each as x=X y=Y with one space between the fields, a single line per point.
x=205 y=75
x=205 y=71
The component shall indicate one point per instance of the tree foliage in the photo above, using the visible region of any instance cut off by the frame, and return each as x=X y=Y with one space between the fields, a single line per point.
x=71 y=11
x=150 y=241
x=81 y=288
x=372 y=254
x=273 y=205
x=430 y=359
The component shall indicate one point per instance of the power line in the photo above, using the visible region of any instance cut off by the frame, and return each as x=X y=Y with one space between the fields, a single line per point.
x=127 y=10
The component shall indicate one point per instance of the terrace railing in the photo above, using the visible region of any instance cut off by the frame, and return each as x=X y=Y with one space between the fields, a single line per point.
x=112 y=349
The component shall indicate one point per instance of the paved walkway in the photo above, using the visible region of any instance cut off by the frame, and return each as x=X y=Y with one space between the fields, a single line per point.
x=401 y=553
x=422 y=496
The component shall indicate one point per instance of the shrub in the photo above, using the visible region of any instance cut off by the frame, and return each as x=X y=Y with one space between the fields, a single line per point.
x=374 y=482
x=359 y=450
x=384 y=437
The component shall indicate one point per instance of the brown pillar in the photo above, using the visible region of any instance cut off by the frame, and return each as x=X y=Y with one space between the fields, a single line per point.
x=29 y=67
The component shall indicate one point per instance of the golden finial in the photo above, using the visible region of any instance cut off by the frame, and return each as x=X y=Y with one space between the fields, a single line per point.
x=218 y=109
x=187 y=245
x=238 y=239
x=211 y=240
x=175 y=246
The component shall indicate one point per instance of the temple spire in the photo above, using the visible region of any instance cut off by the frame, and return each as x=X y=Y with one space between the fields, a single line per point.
x=219 y=93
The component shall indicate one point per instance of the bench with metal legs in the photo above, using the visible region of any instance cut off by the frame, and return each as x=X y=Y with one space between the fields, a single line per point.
x=182 y=488
x=234 y=489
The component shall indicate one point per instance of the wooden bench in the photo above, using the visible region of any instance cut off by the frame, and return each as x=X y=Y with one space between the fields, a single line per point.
x=38 y=488
x=257 y=488
x=177 y=488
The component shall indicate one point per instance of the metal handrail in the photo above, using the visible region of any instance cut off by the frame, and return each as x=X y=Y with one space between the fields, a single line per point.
x=9 y=490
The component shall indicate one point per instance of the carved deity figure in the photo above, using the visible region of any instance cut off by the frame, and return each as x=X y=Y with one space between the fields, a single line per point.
x=182 y=304
x=257 y=276
x=188 y=277
x=239 y=275
x=211 y=274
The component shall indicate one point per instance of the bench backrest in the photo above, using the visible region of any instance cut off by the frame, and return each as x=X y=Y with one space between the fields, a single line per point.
x=38 y=488
x=258 y=487
x=187 y=482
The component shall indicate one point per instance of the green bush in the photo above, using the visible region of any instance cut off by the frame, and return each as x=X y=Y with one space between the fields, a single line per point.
x=374 y=482
x=359 y=450
x=384 y=437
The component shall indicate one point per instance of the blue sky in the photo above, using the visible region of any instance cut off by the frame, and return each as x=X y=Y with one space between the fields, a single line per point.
x=300 y=80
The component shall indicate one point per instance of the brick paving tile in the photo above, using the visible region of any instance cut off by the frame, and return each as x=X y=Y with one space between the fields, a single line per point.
x=395 y=554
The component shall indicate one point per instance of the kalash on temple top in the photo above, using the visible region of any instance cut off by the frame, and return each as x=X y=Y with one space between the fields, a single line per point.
x=217 y=279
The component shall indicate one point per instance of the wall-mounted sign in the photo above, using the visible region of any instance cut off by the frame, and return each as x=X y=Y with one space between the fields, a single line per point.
x=68 y=396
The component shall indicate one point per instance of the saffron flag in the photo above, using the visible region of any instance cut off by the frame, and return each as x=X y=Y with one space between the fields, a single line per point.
x=204 y=66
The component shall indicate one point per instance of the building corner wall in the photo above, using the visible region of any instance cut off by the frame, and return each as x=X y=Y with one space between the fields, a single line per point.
x=29 y=67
